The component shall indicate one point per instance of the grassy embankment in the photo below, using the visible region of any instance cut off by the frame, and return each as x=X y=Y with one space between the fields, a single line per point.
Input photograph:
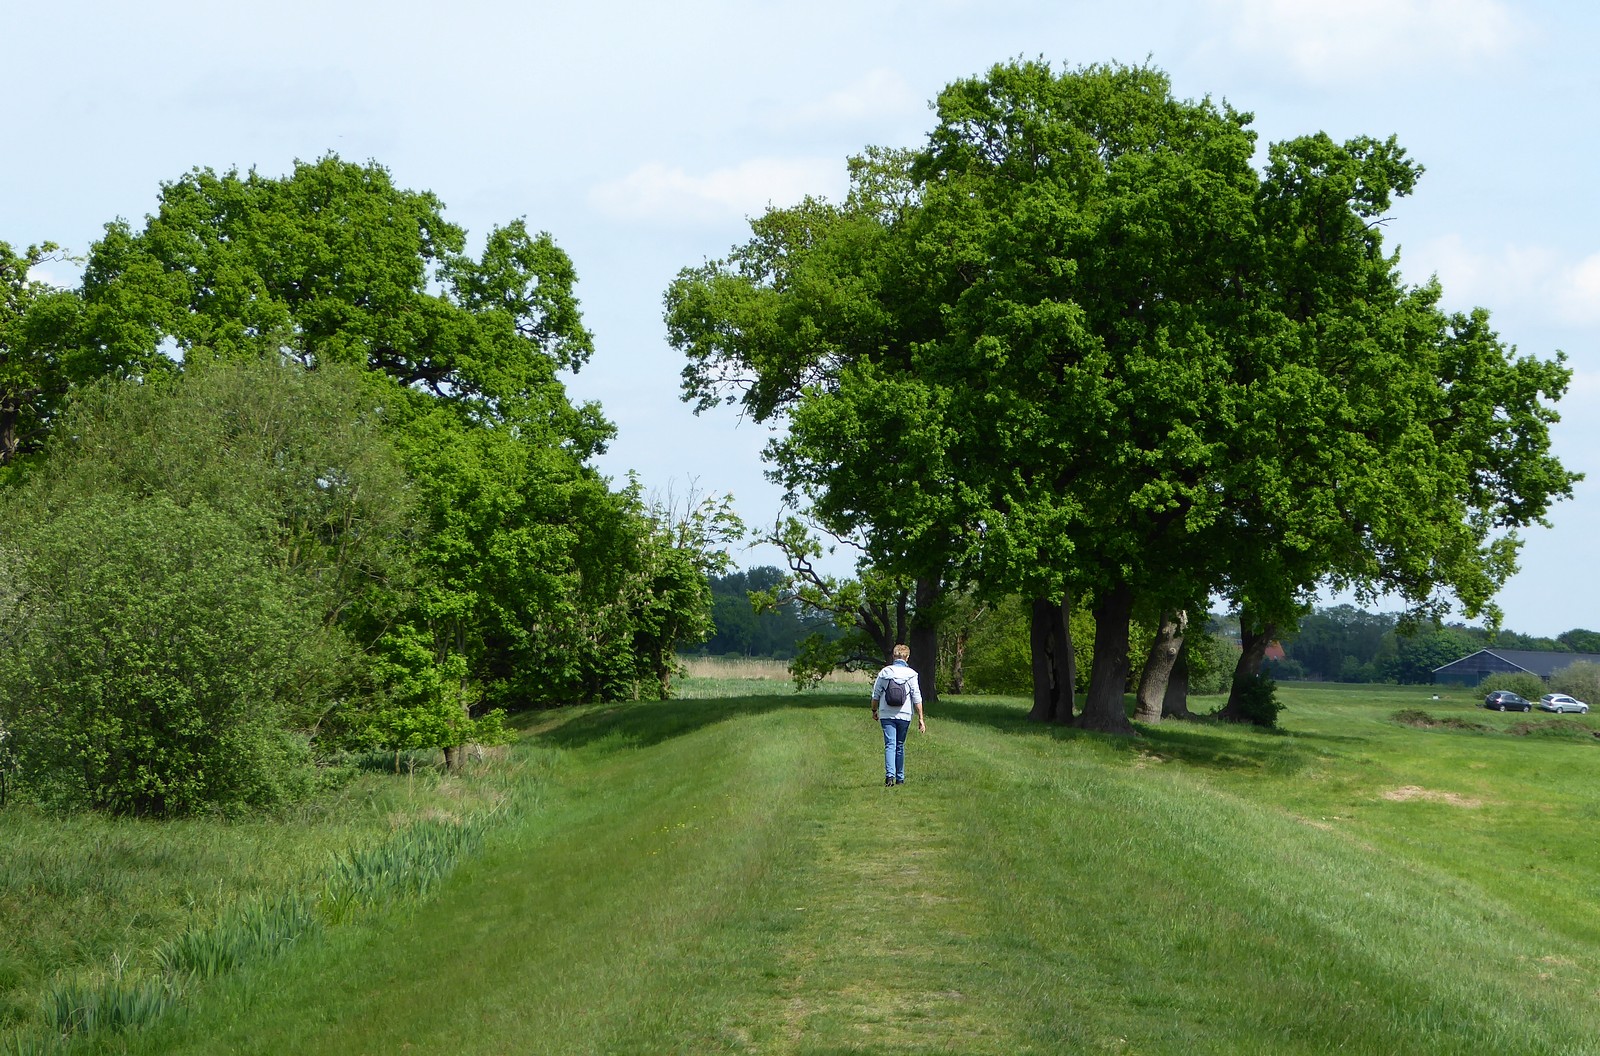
x=728 y=875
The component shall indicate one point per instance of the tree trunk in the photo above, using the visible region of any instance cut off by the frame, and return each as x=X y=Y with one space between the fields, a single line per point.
x=923 y=638
x=1253 y=642
x=1044 y=690
x=958 y=663
x=1158 y=666
x=1175 y=702
x=1050 y=650
x=8 y=435
x=452 y=757
x=1103 y=708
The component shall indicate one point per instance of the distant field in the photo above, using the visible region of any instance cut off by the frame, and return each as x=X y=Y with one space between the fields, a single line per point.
x=727 y=875
x=707 y=676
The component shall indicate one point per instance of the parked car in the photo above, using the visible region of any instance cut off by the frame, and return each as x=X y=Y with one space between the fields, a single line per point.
x=1505 y=700
x=1560 y=702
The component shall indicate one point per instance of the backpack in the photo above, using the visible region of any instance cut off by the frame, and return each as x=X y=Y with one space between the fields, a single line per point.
x=894 y=694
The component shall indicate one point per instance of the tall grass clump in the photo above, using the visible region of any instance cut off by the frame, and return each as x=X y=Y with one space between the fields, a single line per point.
x=252 y=932
x=403 y=868
x=112 y=1002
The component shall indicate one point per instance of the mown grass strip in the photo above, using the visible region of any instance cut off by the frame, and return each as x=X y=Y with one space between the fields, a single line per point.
x=730 y=877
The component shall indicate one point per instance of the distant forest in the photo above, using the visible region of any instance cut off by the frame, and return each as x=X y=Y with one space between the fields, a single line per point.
x=1345 y=644
x=776 y=632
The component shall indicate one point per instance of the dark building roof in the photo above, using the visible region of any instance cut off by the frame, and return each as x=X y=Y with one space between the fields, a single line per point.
x=1485 y=662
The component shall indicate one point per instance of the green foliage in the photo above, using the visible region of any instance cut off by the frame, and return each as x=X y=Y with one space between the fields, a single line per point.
x=150 y=665
x=742 y=629
x=42 y=355
x=998 y=658
x=1580 y=640
x=1420 y=653
x=1581 y=680
x=1524 y=685
x=1258 y=701
x=519 y=561
x=201 y=560
x=1212 y=660
x=1232 y=343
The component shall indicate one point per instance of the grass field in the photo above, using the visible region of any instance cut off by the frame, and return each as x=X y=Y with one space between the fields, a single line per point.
x=728 y=875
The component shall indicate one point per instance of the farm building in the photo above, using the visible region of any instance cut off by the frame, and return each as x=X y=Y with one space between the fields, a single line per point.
x=1470 y=670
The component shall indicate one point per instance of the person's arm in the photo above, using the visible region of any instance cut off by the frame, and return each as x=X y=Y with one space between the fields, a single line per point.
x=916 y=698
x=877 y=690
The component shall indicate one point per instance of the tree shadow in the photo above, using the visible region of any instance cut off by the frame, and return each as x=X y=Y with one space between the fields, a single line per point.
x=644 y=723
x=1200 y=742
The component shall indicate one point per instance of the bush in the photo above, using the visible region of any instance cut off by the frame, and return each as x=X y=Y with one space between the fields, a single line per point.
x=148 y=661
x=1581 y=680
x=1258 y=702
x=1212 y=659
x=1530 y=687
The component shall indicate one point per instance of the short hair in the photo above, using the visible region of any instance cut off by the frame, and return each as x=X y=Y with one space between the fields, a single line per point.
x=902 y=652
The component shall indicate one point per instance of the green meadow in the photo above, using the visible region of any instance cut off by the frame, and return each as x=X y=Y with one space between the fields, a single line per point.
x=725 y=873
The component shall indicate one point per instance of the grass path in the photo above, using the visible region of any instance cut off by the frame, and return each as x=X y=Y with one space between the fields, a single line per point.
x=730 y=877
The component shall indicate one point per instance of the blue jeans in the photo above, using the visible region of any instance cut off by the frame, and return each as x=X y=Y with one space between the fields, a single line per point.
x=894 y=747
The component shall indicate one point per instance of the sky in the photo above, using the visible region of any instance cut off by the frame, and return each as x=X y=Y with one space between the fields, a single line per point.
x=643 y=135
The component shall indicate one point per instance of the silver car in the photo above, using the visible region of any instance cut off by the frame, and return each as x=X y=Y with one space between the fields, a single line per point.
x=1560 y=702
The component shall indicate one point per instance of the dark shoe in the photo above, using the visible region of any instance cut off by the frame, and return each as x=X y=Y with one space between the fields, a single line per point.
x=888 y=782
x=899 y=780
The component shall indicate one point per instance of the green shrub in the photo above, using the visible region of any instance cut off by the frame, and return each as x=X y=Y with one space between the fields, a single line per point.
x=1212 y=659
x=1529 y=687
x=1258 y=702
x=148 y=664
x=1581 y=680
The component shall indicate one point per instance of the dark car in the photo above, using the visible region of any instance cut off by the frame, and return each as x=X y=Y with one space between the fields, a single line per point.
x=1505 y=700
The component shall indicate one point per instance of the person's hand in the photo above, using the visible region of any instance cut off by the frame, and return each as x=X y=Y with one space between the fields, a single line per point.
x=922 y=725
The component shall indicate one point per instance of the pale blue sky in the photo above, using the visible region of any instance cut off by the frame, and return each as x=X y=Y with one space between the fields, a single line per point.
x=642 y=134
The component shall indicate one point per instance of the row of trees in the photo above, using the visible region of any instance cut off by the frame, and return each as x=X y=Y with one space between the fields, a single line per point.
x=1079 y=350
x=292 y=472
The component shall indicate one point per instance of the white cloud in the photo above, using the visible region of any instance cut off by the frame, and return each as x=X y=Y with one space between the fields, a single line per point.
x=1548 y=282
x=1581 y=291
x=656 y=191
x=879 y=93
x=1341 y=40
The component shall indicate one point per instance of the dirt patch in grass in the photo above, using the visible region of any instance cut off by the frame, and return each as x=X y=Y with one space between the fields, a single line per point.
x=1423 y=721
x=1569 y=728
x=1406 y=793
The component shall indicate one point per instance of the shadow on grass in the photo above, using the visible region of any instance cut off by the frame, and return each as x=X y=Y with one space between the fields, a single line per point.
x=645 y=723
x=1201 y=742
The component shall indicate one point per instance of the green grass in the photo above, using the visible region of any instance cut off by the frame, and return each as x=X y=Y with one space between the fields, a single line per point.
x=97 y=911
x=727 y=875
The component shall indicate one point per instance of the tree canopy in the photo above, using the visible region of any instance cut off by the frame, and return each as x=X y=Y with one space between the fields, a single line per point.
x=1079 y=344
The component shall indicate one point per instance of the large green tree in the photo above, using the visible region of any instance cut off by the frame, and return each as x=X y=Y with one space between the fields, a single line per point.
x=42 y=355
x=1088 y=348
x=529 y=561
